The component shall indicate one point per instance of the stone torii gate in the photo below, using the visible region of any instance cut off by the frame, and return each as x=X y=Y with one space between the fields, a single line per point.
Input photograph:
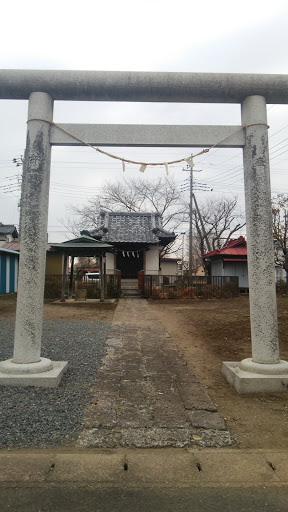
x=264 y=371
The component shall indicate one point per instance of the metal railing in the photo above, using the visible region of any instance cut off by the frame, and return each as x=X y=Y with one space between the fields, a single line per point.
x=188 y=287
x=53 y=286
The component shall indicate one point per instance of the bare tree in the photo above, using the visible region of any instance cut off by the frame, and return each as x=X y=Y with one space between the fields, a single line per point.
x=215 y=222
x=160 y=195
x=280 y=229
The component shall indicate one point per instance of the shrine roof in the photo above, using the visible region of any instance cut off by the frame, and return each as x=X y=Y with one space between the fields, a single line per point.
x=131 y=227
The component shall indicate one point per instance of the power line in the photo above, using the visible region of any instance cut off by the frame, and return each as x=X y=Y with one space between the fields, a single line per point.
x=273 y=135
x=276 y=156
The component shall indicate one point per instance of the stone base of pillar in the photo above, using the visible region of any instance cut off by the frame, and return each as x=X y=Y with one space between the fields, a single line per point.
x=251 y=382
x=248 y=365
x=9 y=366
x=50 y=378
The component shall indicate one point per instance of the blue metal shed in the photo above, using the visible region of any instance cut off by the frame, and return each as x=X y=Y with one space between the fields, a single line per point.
x=8 y=270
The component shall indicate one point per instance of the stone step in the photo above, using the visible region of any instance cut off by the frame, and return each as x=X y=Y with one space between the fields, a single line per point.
x=129 y=284
x=130 y=292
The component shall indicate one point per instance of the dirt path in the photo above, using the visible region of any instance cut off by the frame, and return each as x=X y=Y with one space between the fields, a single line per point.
x=210 y=332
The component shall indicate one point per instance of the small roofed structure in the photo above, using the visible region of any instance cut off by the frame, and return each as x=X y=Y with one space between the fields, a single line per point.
x=82 y=246
x=138 y=239
x=8 y=232
x=231 y=260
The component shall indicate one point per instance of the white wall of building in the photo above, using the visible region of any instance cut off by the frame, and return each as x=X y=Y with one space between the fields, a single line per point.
x=231 y=268
x=217 y=268
x=168 y=268
x=152 y=261
x=237 y=268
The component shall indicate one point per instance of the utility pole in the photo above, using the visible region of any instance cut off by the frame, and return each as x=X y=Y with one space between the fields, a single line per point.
x=191 y=186
x=182 y=267
x=190 y=169
x=190 y=220
x=202 y=224
x=194 y=186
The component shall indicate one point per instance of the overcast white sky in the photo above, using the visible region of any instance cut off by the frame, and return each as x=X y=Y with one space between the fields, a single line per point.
x=223 y=36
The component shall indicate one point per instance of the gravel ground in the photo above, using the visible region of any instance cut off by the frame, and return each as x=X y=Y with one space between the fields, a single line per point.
x=41 y=417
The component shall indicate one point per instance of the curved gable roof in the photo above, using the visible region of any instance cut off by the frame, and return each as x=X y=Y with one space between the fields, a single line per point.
x=131 y=227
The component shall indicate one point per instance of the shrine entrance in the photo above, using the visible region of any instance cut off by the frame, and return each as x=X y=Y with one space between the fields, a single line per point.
x=264 y=371
x=129 y=263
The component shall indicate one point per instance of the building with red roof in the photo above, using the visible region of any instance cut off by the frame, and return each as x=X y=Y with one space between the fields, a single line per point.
x=231 y=260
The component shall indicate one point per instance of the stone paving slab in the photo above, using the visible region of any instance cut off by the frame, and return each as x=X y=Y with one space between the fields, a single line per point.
x=144 y=394
x=208 y=420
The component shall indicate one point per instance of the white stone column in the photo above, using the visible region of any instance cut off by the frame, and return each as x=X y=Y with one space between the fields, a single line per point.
x=34 y=218
x=264 y=371
x=262 y=291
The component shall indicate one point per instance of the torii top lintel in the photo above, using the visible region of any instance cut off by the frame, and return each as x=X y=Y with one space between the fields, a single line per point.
x=137 y=86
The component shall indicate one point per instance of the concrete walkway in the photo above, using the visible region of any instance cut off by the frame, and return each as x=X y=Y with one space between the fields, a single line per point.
x=144 y=395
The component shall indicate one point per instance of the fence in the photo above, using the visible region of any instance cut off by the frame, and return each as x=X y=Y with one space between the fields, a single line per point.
x=53 y=286
x=188 y=287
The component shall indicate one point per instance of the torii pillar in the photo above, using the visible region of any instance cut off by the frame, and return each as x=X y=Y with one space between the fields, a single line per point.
x=264 y=371
x=27 y=367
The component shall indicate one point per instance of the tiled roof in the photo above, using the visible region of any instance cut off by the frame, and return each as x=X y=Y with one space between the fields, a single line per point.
x=131 y=227
x=232 y=248
x=8 y=229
